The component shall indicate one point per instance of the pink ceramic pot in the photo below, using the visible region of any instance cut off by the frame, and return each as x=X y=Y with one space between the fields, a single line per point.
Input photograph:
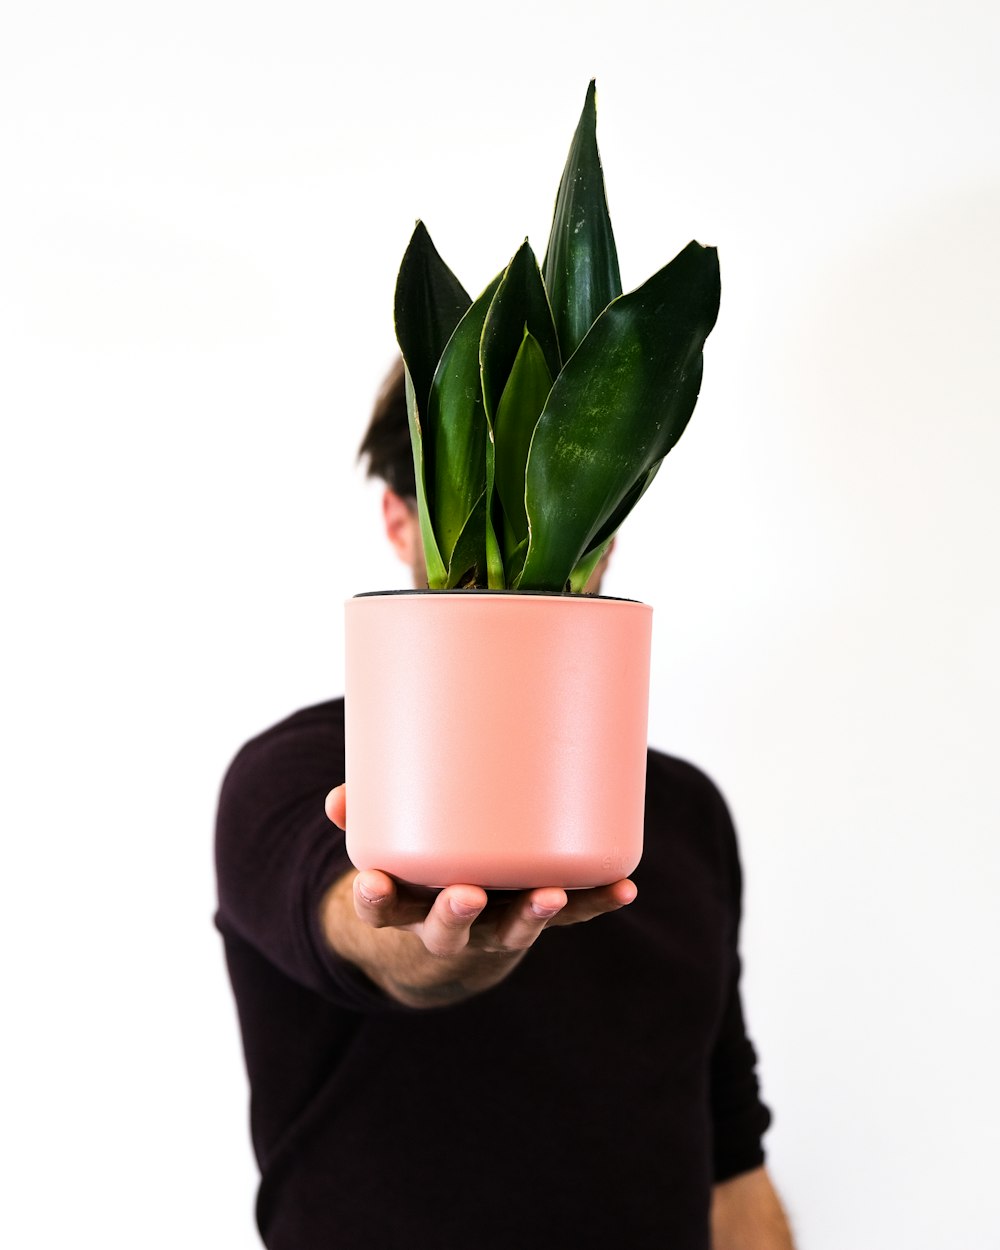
x=496 y=738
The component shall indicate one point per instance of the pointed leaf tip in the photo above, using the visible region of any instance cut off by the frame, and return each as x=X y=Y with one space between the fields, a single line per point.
x=429 y=302
x=581 y=262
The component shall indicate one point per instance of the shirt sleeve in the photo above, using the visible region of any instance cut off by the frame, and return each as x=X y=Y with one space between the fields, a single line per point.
x=739 y=1117
x=277 y=854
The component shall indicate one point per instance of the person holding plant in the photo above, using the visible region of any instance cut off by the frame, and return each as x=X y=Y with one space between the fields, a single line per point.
x=544 y=1069
x=463 y=1067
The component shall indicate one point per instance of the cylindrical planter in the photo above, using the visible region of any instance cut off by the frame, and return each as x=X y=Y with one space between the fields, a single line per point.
x=496 y=738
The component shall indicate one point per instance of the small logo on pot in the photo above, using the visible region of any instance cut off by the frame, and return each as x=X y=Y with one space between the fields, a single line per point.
x=615 y=861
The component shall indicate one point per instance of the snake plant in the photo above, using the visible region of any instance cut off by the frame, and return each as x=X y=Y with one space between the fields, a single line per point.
x=540 y=412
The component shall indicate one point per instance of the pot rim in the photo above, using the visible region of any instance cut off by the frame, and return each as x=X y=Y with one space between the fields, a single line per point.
x=456 y=592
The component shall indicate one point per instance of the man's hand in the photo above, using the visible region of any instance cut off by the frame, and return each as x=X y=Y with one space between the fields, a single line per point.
x=428 y=948
x=747 y=1215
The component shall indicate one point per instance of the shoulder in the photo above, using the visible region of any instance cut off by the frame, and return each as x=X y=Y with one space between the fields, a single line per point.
x=679 y=782
x=313 y=729
x=299 y=755
x=319 y=720
x=686 y=810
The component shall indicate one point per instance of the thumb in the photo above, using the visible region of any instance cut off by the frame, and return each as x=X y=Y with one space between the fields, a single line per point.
x=336 y=806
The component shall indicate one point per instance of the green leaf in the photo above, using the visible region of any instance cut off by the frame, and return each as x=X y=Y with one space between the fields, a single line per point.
x=456 y=425
x=515 y=563
x=520 y=302
x=467 y=559
x=429 y=303
x=437 y=574
x=612 y=524
x=599 y=544
x=520 y=406
x=495 y=574
x=619 y=405
x=583 y=572
x=581 y=264
x=496 y=577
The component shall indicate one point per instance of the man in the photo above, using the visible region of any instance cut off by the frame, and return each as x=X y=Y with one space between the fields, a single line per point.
x=449 y=1069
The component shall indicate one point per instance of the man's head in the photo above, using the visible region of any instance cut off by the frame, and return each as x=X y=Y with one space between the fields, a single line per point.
x=386 y=443
x=386 y=448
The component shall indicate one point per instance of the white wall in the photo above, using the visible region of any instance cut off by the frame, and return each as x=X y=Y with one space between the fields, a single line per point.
x=204 y=207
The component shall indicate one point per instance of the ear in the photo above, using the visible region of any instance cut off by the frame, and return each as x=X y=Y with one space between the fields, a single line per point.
x=401 y=527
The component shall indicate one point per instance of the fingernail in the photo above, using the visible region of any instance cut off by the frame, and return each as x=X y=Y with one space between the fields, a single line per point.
x=464 y=909
x=368 y=894
x=543 y=913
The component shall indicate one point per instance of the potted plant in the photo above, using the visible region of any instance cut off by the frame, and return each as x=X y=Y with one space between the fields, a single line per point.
x=496 y=722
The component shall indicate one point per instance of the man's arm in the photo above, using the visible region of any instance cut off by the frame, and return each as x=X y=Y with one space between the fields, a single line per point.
x=747 y=1215
x=432 y=948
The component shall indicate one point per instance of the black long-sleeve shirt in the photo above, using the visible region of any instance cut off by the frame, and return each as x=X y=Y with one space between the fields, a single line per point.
x=591 y=1099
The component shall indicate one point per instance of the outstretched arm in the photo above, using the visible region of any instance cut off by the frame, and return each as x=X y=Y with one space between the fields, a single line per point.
x=429 y=948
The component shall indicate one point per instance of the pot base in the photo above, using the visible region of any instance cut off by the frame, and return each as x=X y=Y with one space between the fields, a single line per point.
x=569 y=872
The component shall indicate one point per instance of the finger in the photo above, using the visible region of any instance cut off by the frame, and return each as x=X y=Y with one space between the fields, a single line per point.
x=584 y=905
x=446 y=929
x=336 y=806
x=526 y=918
x=378 y=902
x=383 y=902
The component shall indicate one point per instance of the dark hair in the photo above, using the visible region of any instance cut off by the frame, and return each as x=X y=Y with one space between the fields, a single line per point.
x=386 y=443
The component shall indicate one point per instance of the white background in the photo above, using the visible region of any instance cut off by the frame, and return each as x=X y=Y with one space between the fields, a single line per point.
x=203 y=209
